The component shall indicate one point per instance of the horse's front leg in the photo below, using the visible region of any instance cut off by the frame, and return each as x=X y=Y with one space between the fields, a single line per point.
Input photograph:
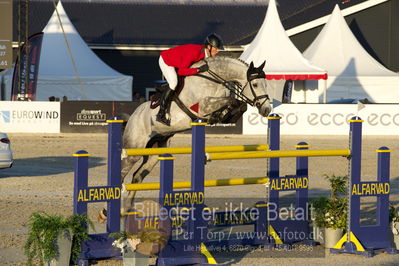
x=127 y=164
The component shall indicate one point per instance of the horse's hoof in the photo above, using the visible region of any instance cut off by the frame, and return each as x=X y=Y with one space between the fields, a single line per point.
x=102 y=216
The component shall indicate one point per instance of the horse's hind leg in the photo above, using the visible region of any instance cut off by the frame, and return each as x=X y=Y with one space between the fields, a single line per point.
x=145 y=168
x=127 y=165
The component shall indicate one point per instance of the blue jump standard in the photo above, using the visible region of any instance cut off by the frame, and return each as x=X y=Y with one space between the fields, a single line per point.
x=360 y=240
x=100 y=245
x=367 y=239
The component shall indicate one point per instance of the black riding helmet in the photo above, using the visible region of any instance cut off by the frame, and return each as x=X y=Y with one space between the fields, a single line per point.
x=214 y=40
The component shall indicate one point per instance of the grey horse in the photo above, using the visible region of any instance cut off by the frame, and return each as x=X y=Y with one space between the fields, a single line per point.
x=214 y=96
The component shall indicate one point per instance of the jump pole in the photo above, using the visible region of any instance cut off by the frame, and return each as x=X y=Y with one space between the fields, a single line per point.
x=188 y=150
x=208 y=183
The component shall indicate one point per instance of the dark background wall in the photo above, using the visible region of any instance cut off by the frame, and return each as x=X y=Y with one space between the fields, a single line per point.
x=376 y=28
x=142 y=65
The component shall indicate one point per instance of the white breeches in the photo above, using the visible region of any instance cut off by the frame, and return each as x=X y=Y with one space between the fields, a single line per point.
x=169 y=73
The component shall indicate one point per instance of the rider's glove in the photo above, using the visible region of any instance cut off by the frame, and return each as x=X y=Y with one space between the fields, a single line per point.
x=203 y=68
x=231 y=84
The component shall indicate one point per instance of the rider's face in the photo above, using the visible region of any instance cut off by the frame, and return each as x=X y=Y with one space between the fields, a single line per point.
x=212 y=51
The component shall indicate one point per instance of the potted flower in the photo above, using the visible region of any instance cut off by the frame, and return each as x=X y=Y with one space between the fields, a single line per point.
x=138 y=248
x=335 y=221
x=55 y=239
x=394 y=223
x=331 y=212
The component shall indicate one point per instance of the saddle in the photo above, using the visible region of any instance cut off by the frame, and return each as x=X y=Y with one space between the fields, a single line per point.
x=161 y=87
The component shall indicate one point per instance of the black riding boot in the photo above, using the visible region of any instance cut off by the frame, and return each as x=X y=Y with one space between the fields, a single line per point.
x=164 y=107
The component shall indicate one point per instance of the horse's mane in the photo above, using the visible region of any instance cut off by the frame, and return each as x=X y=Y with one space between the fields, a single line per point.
x=229 y=58
x=242 y=61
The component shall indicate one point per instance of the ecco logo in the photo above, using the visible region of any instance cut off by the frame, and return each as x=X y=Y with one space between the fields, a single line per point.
x=384 y=119
x=327 y=119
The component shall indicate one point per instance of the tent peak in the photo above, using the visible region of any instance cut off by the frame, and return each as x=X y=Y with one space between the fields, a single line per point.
x=336 y=45
x=272 y=44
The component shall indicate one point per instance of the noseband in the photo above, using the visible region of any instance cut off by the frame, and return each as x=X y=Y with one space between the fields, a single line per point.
x=257 y=98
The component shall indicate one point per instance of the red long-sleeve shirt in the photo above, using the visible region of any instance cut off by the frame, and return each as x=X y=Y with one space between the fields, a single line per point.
x=183 y=56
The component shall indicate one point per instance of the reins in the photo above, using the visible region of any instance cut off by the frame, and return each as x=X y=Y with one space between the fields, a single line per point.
x=236 y=88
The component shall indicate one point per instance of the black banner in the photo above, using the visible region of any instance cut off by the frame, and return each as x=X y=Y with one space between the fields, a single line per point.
x=91 y=116
x=235 y=128
x=26 y=70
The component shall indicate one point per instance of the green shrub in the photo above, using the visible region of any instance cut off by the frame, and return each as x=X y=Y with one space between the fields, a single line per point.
x=46 y=228
x=331 y=212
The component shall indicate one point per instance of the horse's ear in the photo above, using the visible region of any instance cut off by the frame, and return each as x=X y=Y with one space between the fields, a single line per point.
x=262 y=65
x=255 y=72
x=251 y=65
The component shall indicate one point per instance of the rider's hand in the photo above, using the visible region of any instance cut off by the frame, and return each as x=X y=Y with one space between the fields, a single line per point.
x=231 y=84
x=203 y=68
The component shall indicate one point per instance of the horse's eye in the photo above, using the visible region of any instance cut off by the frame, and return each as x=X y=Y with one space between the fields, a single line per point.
x=255 y=85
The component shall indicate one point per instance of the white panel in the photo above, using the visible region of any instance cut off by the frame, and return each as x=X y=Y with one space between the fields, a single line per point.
x=30 y=117
x=326 y=119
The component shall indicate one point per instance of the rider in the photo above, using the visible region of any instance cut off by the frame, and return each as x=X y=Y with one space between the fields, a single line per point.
x=181 y=58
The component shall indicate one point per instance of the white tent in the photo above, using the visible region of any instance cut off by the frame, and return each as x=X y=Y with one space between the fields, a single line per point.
x=283 y=60
x=68 y=67
x=353 y=73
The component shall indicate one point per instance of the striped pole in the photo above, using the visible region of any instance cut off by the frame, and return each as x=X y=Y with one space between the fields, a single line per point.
x=208 y=183
x=188 y=150
x=277 y=154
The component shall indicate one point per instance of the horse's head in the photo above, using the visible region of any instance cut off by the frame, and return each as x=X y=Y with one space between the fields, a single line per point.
x=257 y=88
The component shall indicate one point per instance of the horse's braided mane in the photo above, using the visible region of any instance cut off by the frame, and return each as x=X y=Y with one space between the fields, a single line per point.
x=231 y=57
x=242 y=61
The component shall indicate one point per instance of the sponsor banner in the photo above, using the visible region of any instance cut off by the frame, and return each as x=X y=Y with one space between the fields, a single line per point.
x=326 y=119
x=30 y=117
x=91 y=116
x=26 y=70
x=234 y=128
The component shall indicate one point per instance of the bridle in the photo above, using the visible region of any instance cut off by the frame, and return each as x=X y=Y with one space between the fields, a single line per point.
x=237 y=89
